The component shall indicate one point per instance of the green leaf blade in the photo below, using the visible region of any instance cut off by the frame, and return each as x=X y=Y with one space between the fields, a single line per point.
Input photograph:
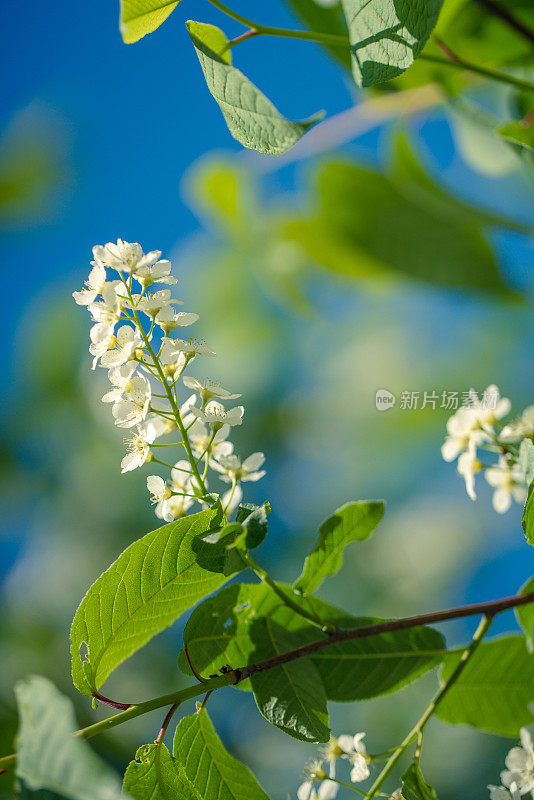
x=386 y=36
x=528 y=516
x=144 y=591
x=353 y=522
x=50 y=757
x=139 y=17
x=290 y=696
x=414 y=786
x=494 y=690
x=215 y=774
x=155 y=775
x=251 y=118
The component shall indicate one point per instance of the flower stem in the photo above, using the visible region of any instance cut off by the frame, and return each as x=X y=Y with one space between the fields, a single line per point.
x=417 y=730
x=266 y=578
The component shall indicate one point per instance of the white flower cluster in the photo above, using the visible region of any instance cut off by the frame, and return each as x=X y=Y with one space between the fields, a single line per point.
x=131 y=338
x=477 y=427
x=320 y=785
x=518 y=778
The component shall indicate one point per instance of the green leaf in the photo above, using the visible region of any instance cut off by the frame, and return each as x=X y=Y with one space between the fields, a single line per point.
x=525 y=615
x=209 y=766
x=251 y=117
x=528 y=516
x=353 y=522
x=414 y=786
x=290 y=696
x=155 y=580
x=50 y=757
x=386 y=36
x=254 y=522
x=156 y=775
x=494 y=690
x=370 y=224
x=220 y=631
x=139 y=17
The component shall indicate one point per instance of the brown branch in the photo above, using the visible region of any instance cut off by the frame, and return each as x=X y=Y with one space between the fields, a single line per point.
x=490 y=609
x=508 y=18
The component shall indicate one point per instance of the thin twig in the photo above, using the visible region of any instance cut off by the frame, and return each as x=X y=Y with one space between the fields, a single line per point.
x=199 y=678
x=166 y=722
x=111 y=703
x=207 y=697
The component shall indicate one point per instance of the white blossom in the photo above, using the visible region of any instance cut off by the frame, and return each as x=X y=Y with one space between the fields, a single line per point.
x=105 y=313
x=168 y=319
x=462 y=430
x=315 y=774
x=508 y=482
x=208 y=389
x=468 y=466
x=161 y=494
x=233 y=469
x=200 y=436
x=191 y=348
x=490 y=409
x=519 y=774
x=159 y=272
x=120 y=378
x=353 y=749
x=524 y=426
x=127 y=340
x=94 y=285
x=216 y=415
x=133 y=406
x=152 y=304
x=139 y=447
x=500 y=793
x=125 y=256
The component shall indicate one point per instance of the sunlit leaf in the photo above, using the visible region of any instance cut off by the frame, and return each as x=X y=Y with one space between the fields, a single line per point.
x=494 y=690
x=528 y=516
x=386 y=36
x=251 y=117
x=215 y=774
x=353 y=522
x=50 y=757
x=139 y=17
x=155 y=580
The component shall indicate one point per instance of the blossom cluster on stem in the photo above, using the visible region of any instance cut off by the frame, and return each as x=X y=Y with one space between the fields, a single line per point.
x=135 y=337
x=475 y=432
x=518 y=778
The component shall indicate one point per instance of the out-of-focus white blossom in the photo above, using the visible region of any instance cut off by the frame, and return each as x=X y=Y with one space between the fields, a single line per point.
x=520 y=428
x=208 y=389
x=233 y=469
x=468 y=466
x=508 y=482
